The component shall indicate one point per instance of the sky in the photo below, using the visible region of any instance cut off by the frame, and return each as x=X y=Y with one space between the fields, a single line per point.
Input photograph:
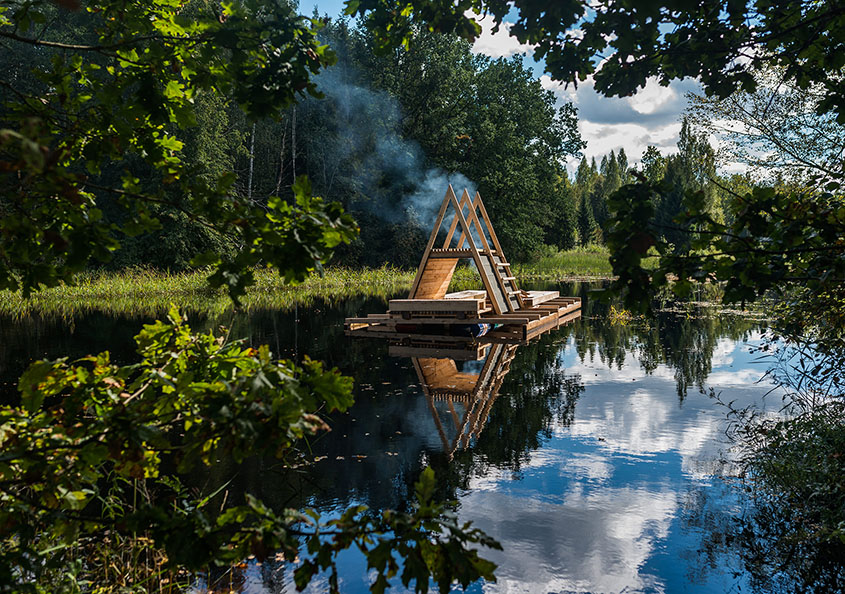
x=650 y=117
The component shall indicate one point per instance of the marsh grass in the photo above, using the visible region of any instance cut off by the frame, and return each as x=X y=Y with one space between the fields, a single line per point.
x=591 y=262
x=147 y=292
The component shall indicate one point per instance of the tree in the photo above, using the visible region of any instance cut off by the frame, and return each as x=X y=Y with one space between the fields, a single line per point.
x=621 y=45
x=653 y=164
x=586 y=222
x=393 y=128
x=776 y=130
x=691 y=170
x=87 y=449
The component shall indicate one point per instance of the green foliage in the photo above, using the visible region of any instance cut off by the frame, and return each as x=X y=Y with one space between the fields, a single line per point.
x=777 y=131
x=84 y=428
x=89 y=435
x=794 y=537
x=586 y=222
x=108 y=107
x=392 y=129
x=622 y=44
x=774 y=240
x=653 y=164
x=91 y=153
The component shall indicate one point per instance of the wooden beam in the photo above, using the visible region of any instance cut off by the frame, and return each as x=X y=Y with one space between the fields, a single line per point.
x=457 y=305
x=489 y=253
x=478 y=203
x=475 y=255
x=450 y=194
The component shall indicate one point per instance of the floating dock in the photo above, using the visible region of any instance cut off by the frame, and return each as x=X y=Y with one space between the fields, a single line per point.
x=410 y=317
x=501 y=307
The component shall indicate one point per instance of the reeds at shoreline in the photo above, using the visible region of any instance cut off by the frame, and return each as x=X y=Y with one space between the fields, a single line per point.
x=150 y=292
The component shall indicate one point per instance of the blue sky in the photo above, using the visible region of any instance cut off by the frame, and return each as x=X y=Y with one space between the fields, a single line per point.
x=651 y=117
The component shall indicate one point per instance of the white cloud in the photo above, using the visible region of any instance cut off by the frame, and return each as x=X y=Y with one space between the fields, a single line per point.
x=652 y=97
x=650 y=117
x=598 y=541
x=500 y=44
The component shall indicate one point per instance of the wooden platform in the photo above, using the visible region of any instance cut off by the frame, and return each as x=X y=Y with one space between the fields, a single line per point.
x=508 y=327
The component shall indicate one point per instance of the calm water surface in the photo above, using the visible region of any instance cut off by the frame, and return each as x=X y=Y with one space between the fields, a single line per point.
x=595 y=459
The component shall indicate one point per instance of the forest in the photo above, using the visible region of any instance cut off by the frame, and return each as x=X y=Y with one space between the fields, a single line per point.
x=385 y=137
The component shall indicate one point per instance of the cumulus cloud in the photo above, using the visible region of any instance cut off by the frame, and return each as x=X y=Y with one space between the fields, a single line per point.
x=500 y=44
x=650 y=117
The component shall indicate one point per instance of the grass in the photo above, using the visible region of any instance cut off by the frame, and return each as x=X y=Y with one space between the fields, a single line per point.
x=148 y=292
x=591 y=262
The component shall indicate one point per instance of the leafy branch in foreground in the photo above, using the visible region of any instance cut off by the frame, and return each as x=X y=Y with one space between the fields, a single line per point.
x=112 y=88
x=89 y=456
x=775 y=240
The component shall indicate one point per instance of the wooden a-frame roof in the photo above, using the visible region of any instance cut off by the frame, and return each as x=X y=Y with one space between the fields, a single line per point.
x=470 y=235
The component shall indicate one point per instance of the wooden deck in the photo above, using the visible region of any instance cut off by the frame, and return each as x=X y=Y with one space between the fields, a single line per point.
x=519 y=325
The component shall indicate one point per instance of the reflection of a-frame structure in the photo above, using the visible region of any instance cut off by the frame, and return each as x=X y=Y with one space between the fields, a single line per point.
x=460 y=400
x=474 y=392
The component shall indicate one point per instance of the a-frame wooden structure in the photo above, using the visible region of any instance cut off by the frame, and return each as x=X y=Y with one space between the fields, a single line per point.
x=476 y=239
x=463 y=231
x=476 y=393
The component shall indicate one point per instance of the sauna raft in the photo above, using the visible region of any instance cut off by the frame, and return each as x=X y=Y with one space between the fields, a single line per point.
x=501 y=305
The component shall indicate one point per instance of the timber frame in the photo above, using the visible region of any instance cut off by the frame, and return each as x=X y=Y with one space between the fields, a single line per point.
x=476 y=240
x=463 y=231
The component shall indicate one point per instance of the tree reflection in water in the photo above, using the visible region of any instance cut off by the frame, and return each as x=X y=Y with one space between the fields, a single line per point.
x=374 y=454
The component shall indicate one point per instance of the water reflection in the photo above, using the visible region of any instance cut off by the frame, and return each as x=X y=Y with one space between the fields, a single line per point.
x=590 y=453
x=473 y=392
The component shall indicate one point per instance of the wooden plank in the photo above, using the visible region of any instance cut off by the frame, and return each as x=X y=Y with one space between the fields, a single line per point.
x=452 y=227
x=566 y=319
x=494 y=291
x=463 y=238
x=441 y=352
x=435 y=279
x=470 y=294
x=451 y=253
x=446 y=321
x=489 y=286
x=478 y=204
x=432 y=238
x=361 y=321
x=488 y=256
x=458 y=305
x=525 y=313
x=535 y=298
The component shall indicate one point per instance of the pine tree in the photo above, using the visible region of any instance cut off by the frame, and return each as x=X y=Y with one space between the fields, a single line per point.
x=586 y=222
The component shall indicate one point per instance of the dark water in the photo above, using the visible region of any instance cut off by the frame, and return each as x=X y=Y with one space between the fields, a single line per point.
x=595 y=459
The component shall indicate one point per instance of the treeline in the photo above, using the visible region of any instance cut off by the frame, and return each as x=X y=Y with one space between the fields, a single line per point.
x=387 y=136
x=392 y=131
x=689 y=171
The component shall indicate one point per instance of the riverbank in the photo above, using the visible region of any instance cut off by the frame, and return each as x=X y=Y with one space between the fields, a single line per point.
x=142 y=291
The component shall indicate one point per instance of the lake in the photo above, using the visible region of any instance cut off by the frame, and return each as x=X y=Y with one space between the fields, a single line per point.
x=596 y=454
